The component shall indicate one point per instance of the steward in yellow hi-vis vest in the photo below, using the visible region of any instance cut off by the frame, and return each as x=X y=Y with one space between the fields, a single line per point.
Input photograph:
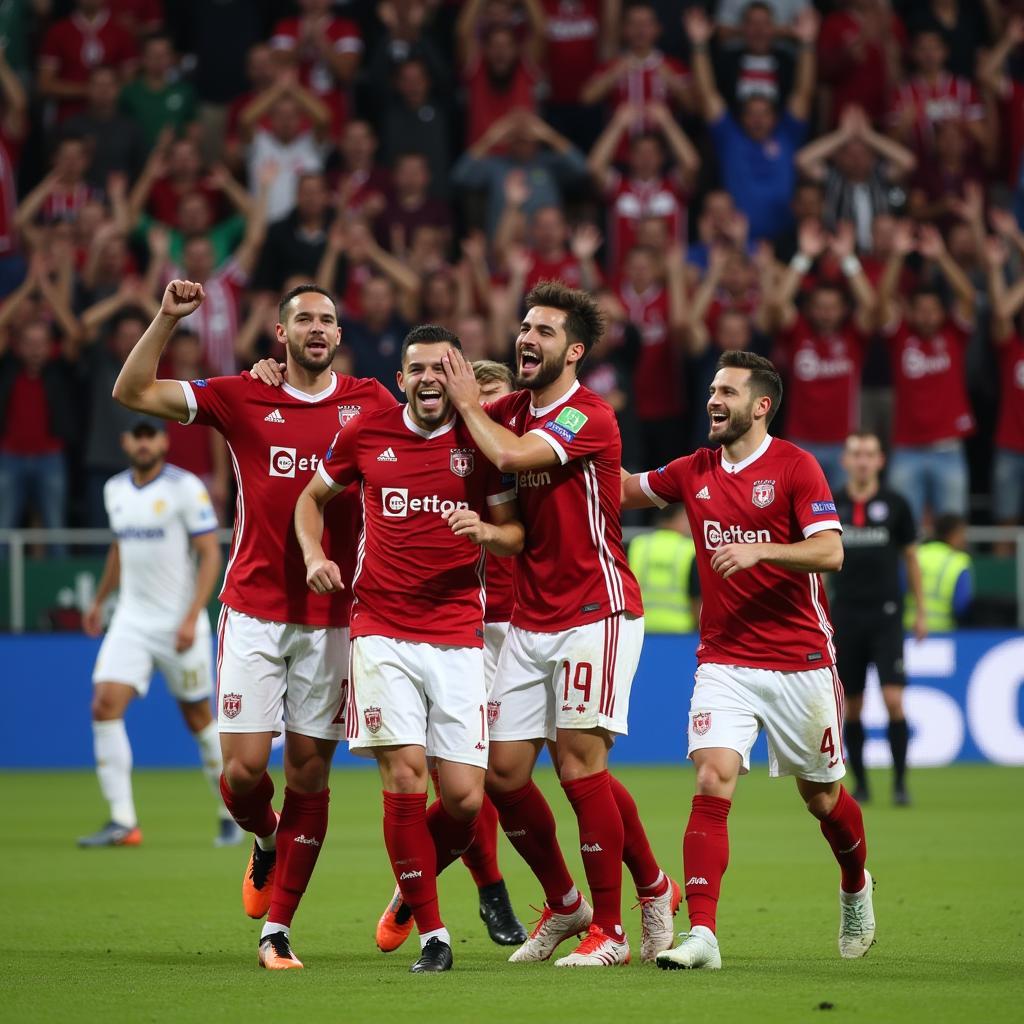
x=663 y=562
x=946 y=576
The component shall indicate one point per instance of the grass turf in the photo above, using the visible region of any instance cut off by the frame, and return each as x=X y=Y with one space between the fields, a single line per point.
x=157 y=933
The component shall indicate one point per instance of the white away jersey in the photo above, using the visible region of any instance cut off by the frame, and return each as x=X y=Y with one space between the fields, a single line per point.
x=154 y=525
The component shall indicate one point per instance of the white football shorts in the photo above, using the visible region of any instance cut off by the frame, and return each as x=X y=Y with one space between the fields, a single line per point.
x=405 y=693
x=801 y=713
x=494 y=639
x=577 y=679
x=277 y=676
x=129 y=653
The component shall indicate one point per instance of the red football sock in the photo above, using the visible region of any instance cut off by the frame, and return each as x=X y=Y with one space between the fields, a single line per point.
x=705 y=857
x=482 y=857
x=252 y=810
x=300 y=837
x=451 y=837
x=413 y=859
x=601 y=843
x=636 y=850
x=844 y=830
x=530 y=826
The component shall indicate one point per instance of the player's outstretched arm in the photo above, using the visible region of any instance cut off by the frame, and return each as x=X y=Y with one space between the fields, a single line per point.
x=136 y=386
x=631 y=494
x=322 y=575
x=504 y=535
x=509 y=452
x=821 y=552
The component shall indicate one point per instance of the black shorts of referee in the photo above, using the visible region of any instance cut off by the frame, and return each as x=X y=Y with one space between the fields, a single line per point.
x=869 y=636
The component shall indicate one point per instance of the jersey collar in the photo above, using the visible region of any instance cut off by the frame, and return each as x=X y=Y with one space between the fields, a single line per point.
x=557 y=402
x=428 y=434
x=318 y=397
x=736 y=467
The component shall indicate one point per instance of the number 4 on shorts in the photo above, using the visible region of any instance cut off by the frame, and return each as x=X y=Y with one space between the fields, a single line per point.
x=828 y=747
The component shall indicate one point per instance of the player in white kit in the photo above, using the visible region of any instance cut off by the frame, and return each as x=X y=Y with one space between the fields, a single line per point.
x=160 y=516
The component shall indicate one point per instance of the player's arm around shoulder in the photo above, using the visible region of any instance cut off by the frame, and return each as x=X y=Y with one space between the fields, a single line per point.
x=654 y=488
x=137 y=386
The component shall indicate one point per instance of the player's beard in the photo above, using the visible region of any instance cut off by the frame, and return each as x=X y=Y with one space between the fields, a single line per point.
x=432 y=419
x=547 y=373
x=740 y=421
x=307 y=360
x=143 y=463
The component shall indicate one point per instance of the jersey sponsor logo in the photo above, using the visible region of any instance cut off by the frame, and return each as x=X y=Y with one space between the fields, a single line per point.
x=704 y=494
x=865 y=536
x=141 y=533
x=531 y=478
x=397 y=504
x=462 y=461
x=808 y=365
x=917 y=364
x=373 y=719
x=493 y=712
x=823 y=508
x=285 y=461
x=200 y=383
x=715 y=535
x=701 y=722
x=388 y=455
x=274 y=417
x=559 y=431
x=763 y=493
x=231 y=704
x=346 y=413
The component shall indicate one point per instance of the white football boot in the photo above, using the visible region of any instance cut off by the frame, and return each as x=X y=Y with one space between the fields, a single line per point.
x=597 y=950
x=551 y=930
x=856 y=921
x=699 y=949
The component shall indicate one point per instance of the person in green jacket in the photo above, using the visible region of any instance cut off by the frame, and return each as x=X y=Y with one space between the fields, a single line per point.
x=947 y=576
x=664 y=563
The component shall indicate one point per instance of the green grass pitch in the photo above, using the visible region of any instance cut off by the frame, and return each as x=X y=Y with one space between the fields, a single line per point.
x=157 y=933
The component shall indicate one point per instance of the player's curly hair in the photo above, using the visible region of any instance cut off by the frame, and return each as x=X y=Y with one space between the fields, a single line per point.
x=302 y=289
x=764 y=378
x=584 y=321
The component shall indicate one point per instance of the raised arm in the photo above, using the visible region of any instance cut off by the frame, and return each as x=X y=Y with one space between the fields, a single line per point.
x=901 y=160
x=781 y=307
x=137 y=386
x=1005 y=302
x=844 y=247
x=603 y=153
x=537 y=27
x=598 y=87
x=256 y=223
x=466 y=39
x=903 y=243
x=932 y=247
x=699 y=29
x=805 y=29
x=15 y=101
x=680 y=148
x=812 y=160
x=991 y=65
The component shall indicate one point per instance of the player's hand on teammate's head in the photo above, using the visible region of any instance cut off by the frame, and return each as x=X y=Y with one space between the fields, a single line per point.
x=181 y=298
x=323 y=576
x=466 y=523
x=459 y=380
x=270 y=371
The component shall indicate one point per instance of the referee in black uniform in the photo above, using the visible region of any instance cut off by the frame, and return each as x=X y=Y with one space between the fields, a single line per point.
x=867 y=602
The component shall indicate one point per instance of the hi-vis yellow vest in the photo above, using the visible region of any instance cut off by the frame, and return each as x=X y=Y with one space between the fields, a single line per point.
x=941 y=567
x=661 y=563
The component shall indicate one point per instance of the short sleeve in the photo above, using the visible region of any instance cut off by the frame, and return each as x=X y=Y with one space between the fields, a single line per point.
x=664 y=486
x=501 y=487
x=108 y=496
x=340 y=465
x=813 y=504
x=576 y=431
x=207 y=400
x=198 y=510
x=904 y=527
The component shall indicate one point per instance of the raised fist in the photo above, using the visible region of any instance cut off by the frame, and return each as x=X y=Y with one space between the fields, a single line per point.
x=181 y=298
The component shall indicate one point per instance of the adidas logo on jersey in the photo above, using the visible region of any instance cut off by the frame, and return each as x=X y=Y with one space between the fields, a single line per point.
x=697 y=880
x=704 y=494
x=388 y=455
x=274 y=417
x=591 y=848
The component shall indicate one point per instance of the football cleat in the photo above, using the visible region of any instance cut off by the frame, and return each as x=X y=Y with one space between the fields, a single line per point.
x=900 y=797
x=551 y=930
x=435 y=956
x=395 y=924
x=258 y=881
x=496 y=912
x=699 y=949
x=857 y=921
x=597 y=950
x=656 y=913
x=276 y=953
x=228 y=833
x=113 y=834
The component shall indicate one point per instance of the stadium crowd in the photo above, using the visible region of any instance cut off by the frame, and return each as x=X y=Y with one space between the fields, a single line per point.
x=835 y=185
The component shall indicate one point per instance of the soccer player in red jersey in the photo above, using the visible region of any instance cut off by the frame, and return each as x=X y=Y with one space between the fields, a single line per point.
x=566 y=668
x=765 y=525
x=417 y=669
x=282 y=651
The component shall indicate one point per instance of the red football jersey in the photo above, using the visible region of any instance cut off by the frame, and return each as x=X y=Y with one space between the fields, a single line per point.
x=928 y=377
x=275 y=436
x=1010 y=432
x=767 y=616
x=573 y=37
x=629 y=202
x=501 y=596
x=823 y=382
x=415 y=580
x=573 y=569
x=658 y=377
x=948 y=98
x=565 y=268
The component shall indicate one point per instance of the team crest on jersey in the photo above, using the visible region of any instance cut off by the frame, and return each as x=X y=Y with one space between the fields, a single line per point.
x=373 y=719
x=159 y=506
x=346 y=413
x=701 y=722
x=461 y=463
x=231 y=705
x=493 y=711
x=764 y=493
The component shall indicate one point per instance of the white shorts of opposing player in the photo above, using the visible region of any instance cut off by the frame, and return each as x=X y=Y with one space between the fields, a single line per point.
x=404 y=693
x=576 y=679
x=277 y=675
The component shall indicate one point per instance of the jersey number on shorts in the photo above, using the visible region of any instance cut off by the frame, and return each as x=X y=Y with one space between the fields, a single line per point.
x=189 y=679
x=581 y=680
x=828 y=746
x=339 y=718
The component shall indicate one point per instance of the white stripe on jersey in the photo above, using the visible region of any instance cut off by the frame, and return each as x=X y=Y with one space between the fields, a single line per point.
x=822 y=617
x=361 y=546
x=481 y=575
x=236 y=538
x=613 y=582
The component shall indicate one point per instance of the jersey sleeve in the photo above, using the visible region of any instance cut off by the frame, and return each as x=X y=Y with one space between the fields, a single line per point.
x=382 y=396
x=501 y=487
x=197 y=508
x=664 y=486
x=208 y=400
x=813 y=505
x=577 y=431
x=340 y=465
x=904 y=528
